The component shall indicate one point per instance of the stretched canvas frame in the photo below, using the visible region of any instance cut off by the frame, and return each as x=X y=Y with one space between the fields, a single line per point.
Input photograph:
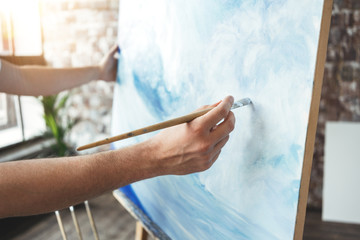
x=156 y=231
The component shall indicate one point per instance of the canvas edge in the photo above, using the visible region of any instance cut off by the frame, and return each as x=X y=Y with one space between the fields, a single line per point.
x=150 y=226
x=313 y=119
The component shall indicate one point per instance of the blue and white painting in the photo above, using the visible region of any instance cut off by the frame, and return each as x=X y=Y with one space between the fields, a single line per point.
x=178 y=55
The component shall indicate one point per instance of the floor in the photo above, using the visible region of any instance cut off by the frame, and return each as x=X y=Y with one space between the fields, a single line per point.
x=315 y=229
x=113 y=222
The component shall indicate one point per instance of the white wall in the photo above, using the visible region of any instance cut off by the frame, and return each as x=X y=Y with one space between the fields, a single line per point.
x=341 y=192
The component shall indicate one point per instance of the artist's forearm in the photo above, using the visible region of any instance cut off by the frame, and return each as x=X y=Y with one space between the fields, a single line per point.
x=37 y=81
x=48 y=81
x=38 y=186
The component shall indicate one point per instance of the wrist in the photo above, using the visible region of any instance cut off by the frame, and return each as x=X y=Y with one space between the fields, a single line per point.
x=135 y=163
x=150 y=158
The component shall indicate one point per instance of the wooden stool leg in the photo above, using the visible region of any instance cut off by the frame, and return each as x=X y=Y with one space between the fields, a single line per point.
x=140 y=233
x=61 y=225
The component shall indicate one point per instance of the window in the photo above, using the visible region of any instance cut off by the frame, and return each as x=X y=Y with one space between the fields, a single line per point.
x=20 y=28
x=7 y=118
x=20 y=43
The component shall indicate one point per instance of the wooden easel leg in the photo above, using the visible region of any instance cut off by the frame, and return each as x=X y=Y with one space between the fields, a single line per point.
x=140 y=233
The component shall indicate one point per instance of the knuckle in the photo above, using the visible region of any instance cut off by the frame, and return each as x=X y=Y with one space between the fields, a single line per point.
x=204 y=147
x=231 y=126
x=218 y=154
x=231 y=122
x=197 y=129
x=232 y=116
x=206 y=164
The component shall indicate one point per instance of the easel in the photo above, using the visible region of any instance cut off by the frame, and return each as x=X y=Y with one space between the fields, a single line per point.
x=313 y=119
x=140 y=232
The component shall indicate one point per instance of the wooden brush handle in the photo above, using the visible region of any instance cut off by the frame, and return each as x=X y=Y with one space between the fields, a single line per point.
x=151 y=128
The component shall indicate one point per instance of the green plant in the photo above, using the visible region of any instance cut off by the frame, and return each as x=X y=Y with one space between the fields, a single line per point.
x=56 y=127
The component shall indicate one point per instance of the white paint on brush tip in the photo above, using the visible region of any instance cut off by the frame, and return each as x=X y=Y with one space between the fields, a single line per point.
x=241 y=103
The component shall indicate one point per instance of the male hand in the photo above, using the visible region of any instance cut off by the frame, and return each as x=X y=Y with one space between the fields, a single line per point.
x=194 y=146
x=108 y=66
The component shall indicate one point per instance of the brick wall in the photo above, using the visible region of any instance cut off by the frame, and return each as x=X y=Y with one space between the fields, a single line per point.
x=340 y=99
x=80 y=32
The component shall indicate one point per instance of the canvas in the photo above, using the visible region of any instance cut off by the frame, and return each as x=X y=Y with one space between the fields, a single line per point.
x=178 y=55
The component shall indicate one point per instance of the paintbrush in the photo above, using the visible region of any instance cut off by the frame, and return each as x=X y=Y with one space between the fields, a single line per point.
x=161 y=125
